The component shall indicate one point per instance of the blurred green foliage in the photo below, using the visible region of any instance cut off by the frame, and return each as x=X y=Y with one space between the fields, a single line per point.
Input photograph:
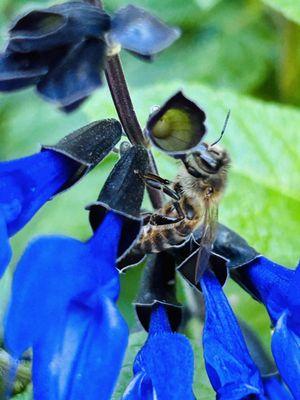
x=242 y=55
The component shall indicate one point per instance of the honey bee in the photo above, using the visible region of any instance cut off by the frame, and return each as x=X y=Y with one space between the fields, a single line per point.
x=195 y=193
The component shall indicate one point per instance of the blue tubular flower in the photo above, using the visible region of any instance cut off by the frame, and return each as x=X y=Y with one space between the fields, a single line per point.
x=277 y=288
x=63 y=306
x=275 y=389
x=229 y=366
x=268 y=282
x=25 y=185
x=62 y=49
x=163 y=368
x=286 y=338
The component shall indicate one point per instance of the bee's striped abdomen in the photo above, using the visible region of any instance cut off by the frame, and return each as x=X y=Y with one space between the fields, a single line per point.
x=157 y=238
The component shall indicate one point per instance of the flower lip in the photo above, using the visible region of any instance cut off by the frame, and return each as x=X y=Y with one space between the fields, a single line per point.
x=177 y=127
x=158 y=286
x=123 y=193
x=88 y=146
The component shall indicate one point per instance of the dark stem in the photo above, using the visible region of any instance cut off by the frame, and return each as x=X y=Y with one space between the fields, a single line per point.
x=122 y=100
x=121 y=97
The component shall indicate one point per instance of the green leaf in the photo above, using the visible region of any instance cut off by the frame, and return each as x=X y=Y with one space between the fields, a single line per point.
x=202 y=388
x=238 y=56
x=289 y=8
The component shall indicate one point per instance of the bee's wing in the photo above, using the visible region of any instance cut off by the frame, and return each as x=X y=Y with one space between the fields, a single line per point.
x=209 y=230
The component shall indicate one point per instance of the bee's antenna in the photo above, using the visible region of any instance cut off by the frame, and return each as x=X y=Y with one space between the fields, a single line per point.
x=223 y=130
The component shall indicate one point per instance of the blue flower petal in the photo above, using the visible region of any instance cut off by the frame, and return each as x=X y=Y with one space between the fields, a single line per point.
x=54 y=270
x=5 y=252
x=140 y=388
x=275 y=390
x=270 y=282
x=164 y=366
x=76 y=76
x=67 y=23
x=27 y=183
x=294 y=302
x=84 y=360
x=229 y=366
x=67 y=290
x=140 y=32
x=286 y=352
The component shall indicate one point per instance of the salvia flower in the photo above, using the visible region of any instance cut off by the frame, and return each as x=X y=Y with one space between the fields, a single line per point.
x=62 y=49
x=274 y=389
x=229 y=366
x=277 y=288
x=163 y=368
x=268 y=282
x=26 y=184
x=63 y=305
x=286 y=338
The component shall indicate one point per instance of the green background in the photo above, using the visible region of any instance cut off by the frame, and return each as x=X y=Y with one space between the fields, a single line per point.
x=242 y=55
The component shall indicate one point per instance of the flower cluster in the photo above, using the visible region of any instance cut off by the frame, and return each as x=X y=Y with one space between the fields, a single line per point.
x=62 y=49
x=64 y=296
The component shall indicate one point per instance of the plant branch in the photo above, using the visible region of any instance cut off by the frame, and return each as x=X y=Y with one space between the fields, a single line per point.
x=121 y=97
x=122 y=100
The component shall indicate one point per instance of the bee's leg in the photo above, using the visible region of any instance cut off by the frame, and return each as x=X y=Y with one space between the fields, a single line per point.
x=146 y=216
x=156 y=182
x=158 y=219
x=179 y=210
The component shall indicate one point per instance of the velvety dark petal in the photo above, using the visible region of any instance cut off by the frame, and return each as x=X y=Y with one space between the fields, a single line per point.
x=21 y=66
x=275 y=390
x=76 y=76
x=141 y=32
x=189 y=267
x=158 y=285
x=229 y=366
x=27 y=183
x=266 y=281
x=177 y=126
x=18 y=70
x=286 y=352
x=55 y=273
x=164 y=365
x=123 y=193
x=233 y=247
x=88 y=146
x=84 y=360
x=41 y=30
x=5 y=250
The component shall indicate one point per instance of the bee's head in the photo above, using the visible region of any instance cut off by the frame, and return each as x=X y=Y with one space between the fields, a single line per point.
x=207 y=160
